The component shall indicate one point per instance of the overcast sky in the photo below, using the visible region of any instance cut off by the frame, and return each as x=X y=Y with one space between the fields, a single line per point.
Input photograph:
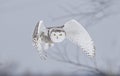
x=18 y=19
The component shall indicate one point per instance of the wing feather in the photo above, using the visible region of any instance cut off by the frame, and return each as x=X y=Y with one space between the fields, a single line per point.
x=39 y=28
x=76 y=33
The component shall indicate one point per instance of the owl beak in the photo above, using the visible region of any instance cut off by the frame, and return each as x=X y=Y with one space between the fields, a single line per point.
x=57 y=37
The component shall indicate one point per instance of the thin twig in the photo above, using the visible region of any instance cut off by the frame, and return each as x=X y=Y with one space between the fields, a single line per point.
x=66 y=53
x=78 y=64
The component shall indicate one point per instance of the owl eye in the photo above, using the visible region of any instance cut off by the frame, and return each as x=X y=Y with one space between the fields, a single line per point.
x=60 y=34
x=54 y=34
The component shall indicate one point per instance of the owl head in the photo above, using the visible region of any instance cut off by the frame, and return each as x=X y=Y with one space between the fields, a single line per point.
x=57 y=34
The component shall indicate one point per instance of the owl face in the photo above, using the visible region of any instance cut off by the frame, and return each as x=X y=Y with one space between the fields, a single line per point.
x=57 y=35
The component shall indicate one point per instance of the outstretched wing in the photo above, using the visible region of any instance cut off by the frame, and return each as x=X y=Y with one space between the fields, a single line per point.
x=76 y=33
x=39 y=28
x=37 y=39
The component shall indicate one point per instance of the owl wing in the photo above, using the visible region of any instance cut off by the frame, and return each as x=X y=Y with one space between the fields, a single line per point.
x=39 y=28
x=76 y=33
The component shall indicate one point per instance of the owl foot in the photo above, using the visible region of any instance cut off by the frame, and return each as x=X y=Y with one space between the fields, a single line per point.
x=43 y=57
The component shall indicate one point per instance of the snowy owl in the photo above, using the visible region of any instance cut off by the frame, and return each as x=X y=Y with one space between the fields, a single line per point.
x=45 y=37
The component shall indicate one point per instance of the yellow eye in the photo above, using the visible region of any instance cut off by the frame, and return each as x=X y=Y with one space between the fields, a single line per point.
x=54 y=34
x=60 y=34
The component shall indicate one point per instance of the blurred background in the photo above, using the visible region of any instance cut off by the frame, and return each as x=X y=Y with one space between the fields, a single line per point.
x=101 y=18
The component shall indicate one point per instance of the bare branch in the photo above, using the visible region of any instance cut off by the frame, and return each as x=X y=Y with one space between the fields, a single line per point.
x=79 y=65
x=99 y=11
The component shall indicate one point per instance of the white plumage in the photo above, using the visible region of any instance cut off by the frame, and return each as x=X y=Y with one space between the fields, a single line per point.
x=38 y=43
x=44 y=38
x=76 y=33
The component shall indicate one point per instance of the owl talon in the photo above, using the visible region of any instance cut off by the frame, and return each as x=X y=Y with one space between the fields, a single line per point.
x=43 y=57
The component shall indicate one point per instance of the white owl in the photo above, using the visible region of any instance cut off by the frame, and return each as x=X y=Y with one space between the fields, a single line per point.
x=44 y=38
